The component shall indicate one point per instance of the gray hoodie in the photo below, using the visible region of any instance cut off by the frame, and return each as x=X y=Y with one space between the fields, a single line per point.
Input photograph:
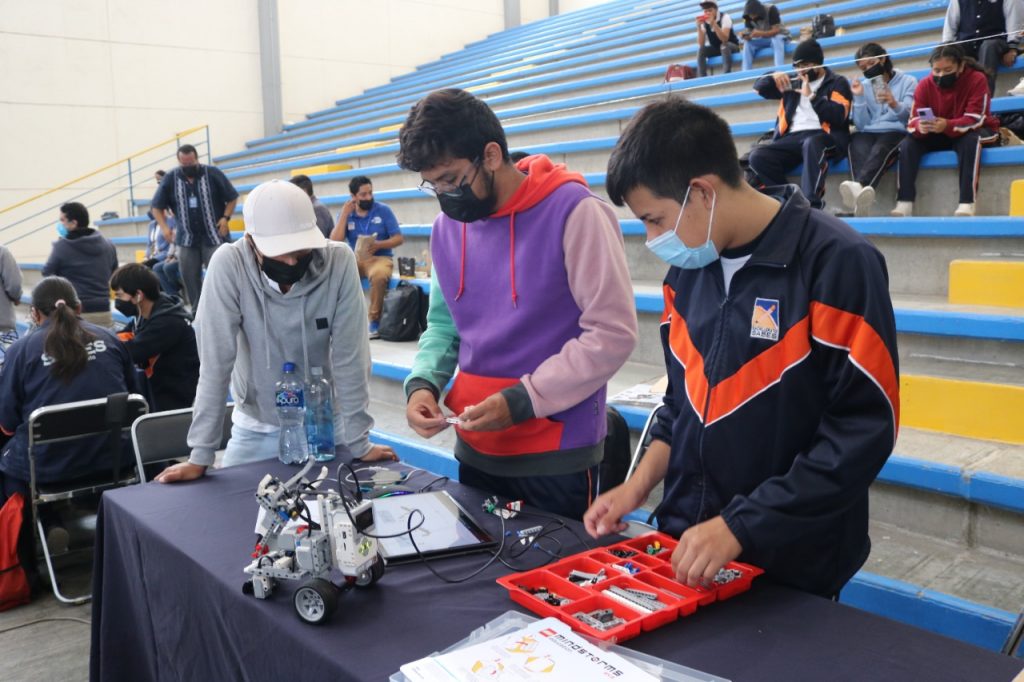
x=246 y=330
x=10 y=288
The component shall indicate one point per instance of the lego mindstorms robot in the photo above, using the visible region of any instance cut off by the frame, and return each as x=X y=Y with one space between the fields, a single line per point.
x=294 y=543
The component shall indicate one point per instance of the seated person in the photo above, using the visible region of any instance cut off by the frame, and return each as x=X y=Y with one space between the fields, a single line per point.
x=159 y=336
x=998 y=23
x=362 y=216
x=157 y=247
x=764 y=29
x=10 y=296
x=715 y=38
x=882 y=101
x=65 y=359
x=324 y=219
x=952 y=110
x=812 y=125
x=87 y=259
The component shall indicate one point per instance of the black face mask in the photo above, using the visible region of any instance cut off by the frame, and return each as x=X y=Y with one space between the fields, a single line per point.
x=945 y=81
x=126 y=308
x=365 y=204
x=282 y=273
x=874 y=71
x=467 y=207
x=191 y=171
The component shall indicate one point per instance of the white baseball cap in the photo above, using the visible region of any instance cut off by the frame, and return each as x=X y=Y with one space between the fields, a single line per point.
x=280 y=218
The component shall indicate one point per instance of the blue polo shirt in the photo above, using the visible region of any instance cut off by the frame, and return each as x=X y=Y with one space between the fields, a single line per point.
x=379 y=221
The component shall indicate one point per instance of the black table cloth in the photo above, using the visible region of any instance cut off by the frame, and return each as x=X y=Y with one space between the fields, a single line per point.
x=168 y=605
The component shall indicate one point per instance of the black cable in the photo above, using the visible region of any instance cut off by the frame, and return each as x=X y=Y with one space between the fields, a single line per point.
x=496 y=555
x=344 y=503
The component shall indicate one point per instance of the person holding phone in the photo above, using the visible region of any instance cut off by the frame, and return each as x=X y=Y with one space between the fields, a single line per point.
x=952 y=110
x=882 y=100
x=715 y=37
x=812 y=126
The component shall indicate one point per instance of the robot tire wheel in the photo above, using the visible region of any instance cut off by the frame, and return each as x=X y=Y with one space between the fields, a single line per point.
x=375 y=573
x=316 y=600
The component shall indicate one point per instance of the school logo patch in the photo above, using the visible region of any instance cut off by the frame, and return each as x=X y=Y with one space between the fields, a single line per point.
x=764 y=323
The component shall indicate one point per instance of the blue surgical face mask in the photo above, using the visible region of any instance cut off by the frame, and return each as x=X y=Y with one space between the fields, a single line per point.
x=61 y=230
x=671 y=249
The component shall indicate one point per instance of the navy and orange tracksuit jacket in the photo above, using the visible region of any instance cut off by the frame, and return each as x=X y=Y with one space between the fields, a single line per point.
x=832 y=103
x=783 y=396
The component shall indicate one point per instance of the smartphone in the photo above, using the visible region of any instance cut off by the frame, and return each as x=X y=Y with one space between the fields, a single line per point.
x=796 y=82
x=702 y=17
x=925 y=114
x=878 y=85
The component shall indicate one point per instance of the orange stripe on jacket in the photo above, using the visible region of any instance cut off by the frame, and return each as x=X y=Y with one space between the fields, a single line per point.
x=783 y=123
x=763 y=371
x=670 y=301
x=838 y=97
x=867 y=351
x=693 y=362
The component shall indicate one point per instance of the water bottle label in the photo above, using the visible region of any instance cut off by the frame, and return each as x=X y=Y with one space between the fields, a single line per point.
x=289 y=398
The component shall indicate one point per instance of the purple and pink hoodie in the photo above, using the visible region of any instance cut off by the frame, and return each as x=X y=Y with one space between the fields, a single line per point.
x=542 y=308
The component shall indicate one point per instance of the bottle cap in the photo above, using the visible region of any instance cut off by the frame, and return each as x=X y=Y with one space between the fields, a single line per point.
x=289 y=367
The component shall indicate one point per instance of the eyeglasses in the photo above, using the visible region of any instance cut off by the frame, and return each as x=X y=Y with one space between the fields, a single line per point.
x=447 y=188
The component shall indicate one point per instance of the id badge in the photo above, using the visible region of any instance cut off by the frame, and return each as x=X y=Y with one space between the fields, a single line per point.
x=193 y=202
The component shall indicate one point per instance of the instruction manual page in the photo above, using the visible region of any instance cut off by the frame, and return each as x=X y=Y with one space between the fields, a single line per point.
x=545 y=650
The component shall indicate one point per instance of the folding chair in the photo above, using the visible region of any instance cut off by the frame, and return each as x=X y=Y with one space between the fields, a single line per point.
x=163 y=436
x=637 y=526
x=73 y=421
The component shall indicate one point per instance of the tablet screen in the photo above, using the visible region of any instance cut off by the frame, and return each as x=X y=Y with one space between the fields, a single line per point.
x=447 y=527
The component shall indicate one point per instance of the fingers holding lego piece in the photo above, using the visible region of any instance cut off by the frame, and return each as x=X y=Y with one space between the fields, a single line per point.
x=702 y=550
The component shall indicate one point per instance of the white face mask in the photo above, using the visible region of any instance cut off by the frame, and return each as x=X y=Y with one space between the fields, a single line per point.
x=671 y=249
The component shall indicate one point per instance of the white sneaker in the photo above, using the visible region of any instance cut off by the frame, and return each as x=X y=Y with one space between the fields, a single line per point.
x=903 y=209
x=864 y=201
x=849 y=191
x=1017 y=90
x=964 y=211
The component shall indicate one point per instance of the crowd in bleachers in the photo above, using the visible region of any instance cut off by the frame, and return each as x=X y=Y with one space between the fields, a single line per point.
x=290 y=291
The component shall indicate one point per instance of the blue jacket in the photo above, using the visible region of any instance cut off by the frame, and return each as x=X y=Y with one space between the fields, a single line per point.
x=26 y=383
x=783 y=397
x=870 y=116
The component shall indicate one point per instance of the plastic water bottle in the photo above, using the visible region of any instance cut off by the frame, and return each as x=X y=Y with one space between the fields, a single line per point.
x=319 y=417
x=289 y=397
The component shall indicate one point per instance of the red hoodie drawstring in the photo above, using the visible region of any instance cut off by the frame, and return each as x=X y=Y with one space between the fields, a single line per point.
x=512 y=257
x=462 y=265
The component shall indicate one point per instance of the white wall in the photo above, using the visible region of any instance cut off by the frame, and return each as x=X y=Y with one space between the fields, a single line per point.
x=86 y=82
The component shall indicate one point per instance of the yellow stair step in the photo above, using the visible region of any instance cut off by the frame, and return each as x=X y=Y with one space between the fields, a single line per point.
x=973 y=409
x=987 y=282
x=1017 y=198
x=321 y=169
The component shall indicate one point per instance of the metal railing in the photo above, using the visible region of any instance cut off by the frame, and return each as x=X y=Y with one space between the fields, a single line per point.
x=128 y=176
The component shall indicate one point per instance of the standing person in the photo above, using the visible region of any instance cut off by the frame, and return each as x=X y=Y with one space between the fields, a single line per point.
x=85 y=258
x=281 y=294
x=763 y=29
x=372 y=231
x=203 y=200
x=952 y=110
x=324 y=219
x=159 y=336
x=882 y=101
x=812 y=126
x=715 y=37
x=10 y=296
x=780 y=345
x=65 y=359
x=986 y=30
x=530 y=299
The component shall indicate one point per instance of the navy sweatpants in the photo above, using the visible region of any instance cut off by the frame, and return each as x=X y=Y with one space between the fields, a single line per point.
x=771 y=162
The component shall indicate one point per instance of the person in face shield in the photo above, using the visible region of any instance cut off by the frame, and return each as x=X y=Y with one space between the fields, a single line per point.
x=530 y=299
x=284 y=293
x=780 y=346
x=202 y=199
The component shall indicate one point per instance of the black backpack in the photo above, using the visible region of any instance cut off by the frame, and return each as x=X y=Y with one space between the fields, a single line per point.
x=617 y=451
x=823 y=26
x=403 y=310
